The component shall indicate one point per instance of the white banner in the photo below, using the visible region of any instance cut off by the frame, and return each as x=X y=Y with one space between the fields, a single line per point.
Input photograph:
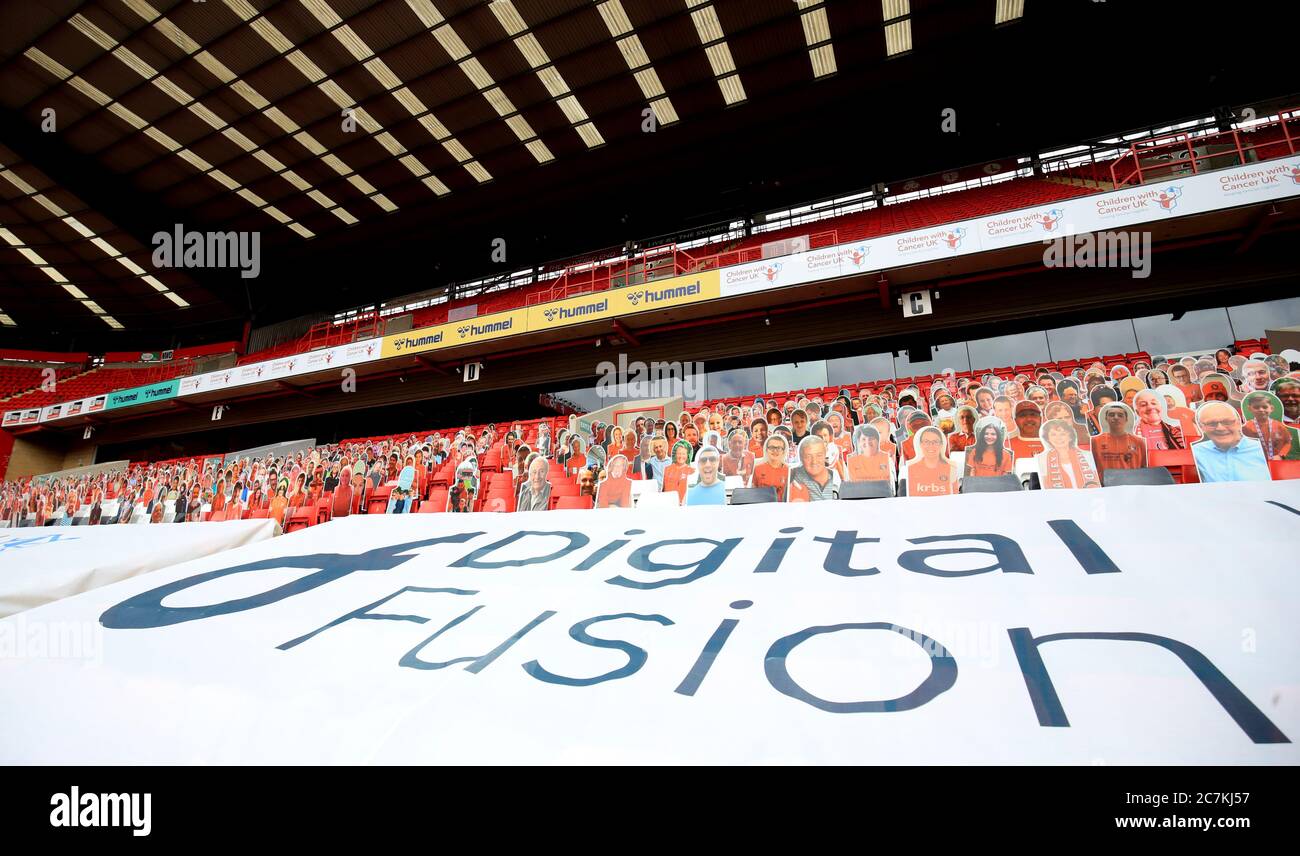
x=41 y=565
x=1117 y=209
x=1032 y=627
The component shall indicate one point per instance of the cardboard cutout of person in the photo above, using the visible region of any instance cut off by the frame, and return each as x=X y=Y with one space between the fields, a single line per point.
x=1154 y=426
x=1261 y=413
x=1005 y=409
x=615 y=489
x=677 y=473
x=1177 y=410
x=1029 y=418
x=709 y=487
x=535 y=493
x=989 y=455
x=1098 y=397
x=1287 y=389
x=774 y=470
x=869 y=462
x=1225 y=453
x=1217 y=387
x=814 y=480
x=913 y=422
x=1118 y=447
x=739 y=460
x=1062 y=464
x=1129 y=387
x=1061 y=410
x=1071 y=393
x=931 y=473
x=1255 y=376
x=886 y=430
x=464 y=490
x=963 y=435
x=1181 y=376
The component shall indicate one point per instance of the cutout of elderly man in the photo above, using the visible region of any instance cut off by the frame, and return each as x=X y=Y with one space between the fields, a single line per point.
x=1255 y=375
x=738 y=461
x=535 y=494
x=1288 y=390
x=709 y=489
x=1226 y=454
x=813 y=480
x=615 y=490
x=658 y=462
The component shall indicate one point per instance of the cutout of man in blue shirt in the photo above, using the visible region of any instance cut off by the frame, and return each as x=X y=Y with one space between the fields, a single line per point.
x=1226 y=454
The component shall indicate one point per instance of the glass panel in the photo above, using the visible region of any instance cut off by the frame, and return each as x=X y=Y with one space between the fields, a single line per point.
x=1201 y=332
x=1092 y=340
x=728 y=384
x=1249 y=321
x=1015 y=350
x=851 y=371
x=800 y=375
x=942 y=357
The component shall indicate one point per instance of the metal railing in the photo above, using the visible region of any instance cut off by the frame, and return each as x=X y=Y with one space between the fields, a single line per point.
x=1190 y=153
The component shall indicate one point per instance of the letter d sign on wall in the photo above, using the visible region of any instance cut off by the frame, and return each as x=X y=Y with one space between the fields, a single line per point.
x=916 y=303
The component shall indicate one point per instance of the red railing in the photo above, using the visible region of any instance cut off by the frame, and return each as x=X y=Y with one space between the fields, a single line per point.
x=653 y=264
x=1190 y=153
x=326 y=334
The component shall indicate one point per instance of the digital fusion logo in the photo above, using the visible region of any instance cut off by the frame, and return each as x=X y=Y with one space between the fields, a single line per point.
x=133 y=811
x=175 y=603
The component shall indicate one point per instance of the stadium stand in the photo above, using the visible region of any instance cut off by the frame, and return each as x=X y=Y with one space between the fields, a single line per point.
x=482 y=468
x=97 y=381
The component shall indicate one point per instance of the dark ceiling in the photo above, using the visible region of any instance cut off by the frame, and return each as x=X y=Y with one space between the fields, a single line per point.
x=224 y=115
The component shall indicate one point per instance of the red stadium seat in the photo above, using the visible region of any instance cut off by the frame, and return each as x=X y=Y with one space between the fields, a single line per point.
x=377 y=502
x=1284 y=470
x=571 y=502
x=1179 y=462
x=298 y=518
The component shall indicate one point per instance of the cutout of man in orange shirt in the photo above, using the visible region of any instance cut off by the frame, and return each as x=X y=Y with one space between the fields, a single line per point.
x=868 y=462
x=1029 y=417
x=773 y=471
x=1118 y=448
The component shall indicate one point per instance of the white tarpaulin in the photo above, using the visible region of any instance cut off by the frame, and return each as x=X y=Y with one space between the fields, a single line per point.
x=1122 y=625
x=40 y=565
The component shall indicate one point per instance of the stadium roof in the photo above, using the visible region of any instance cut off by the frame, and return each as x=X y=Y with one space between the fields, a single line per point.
x=379 y=147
